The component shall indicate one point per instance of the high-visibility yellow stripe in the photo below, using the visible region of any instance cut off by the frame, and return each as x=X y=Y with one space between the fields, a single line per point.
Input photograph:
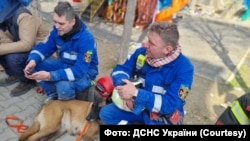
x=239 y=113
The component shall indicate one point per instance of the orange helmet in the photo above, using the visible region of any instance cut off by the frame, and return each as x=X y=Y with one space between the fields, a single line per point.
x=104 y=86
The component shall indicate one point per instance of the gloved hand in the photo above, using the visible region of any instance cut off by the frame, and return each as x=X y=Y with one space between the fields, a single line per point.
x=117 y=79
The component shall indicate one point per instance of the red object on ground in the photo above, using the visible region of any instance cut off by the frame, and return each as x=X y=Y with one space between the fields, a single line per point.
x=40 y=90
x=76 y=0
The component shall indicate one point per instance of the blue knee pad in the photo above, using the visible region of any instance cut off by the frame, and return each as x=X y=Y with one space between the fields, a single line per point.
x=65 y=90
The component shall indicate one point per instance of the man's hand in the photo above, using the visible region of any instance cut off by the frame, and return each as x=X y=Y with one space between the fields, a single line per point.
x=41 y=75
x=126 y=91
x=29 y=68
x=129 y=103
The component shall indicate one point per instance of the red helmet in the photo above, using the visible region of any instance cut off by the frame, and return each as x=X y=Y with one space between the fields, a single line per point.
x=104 y=86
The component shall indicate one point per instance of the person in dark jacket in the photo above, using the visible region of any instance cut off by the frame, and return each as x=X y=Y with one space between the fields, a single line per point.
x=238 y=113
x=20 y=30
x=8 y=8
x=76 y=66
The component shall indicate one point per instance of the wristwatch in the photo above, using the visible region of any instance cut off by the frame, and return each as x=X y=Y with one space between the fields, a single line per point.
x=133 y=98
x=135 y=95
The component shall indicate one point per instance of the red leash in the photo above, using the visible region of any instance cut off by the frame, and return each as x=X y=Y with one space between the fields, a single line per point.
x=15 y=122
x=84 y=130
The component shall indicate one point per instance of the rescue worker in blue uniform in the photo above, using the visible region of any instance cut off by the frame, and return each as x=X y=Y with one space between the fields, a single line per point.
x=75 y=66
x=166 y=77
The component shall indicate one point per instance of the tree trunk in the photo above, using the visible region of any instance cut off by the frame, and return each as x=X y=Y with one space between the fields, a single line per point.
x=127 y=28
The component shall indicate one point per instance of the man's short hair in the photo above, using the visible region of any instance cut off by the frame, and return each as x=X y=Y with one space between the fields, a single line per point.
x=167 y=31
x=65 y=9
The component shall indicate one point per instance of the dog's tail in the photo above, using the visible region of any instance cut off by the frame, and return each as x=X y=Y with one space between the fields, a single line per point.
x=30 y=131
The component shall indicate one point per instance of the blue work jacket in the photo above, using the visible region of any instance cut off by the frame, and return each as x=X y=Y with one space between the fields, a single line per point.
x=78 y=55
x=164 y=88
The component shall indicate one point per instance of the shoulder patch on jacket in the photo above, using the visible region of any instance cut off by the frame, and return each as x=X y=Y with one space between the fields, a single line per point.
x=183 y=92
x=140 y=61
x=87 y=56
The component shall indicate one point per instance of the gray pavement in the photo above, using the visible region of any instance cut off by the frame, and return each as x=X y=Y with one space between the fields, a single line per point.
x=215 y=47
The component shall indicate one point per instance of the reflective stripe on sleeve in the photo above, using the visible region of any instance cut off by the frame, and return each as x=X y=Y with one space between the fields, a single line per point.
x=70 y=74
x=239 y=113
x=157 y=103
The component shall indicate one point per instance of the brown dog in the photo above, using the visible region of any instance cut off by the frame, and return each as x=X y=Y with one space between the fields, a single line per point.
x=58 y=117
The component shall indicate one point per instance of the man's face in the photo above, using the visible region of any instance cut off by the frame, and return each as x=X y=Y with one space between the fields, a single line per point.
x=62 y=25
x=156 y=48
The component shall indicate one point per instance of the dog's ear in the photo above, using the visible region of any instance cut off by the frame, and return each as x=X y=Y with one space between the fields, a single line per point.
x=96 y=98
x=94 y=112
x=96 y=106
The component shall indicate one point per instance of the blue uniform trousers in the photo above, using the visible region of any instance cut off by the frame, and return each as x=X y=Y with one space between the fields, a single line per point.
x=123 y=117
x=14 y=64
x=62 y=90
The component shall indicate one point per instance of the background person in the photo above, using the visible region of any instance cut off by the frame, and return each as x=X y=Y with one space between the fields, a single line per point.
x=77 y=64
x=166 y=76
x=8 y=8
x=20 y=30
x=237 y=113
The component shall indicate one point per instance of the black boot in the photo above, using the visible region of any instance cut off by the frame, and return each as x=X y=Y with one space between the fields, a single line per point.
x=8 y=81
x=22 y=88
